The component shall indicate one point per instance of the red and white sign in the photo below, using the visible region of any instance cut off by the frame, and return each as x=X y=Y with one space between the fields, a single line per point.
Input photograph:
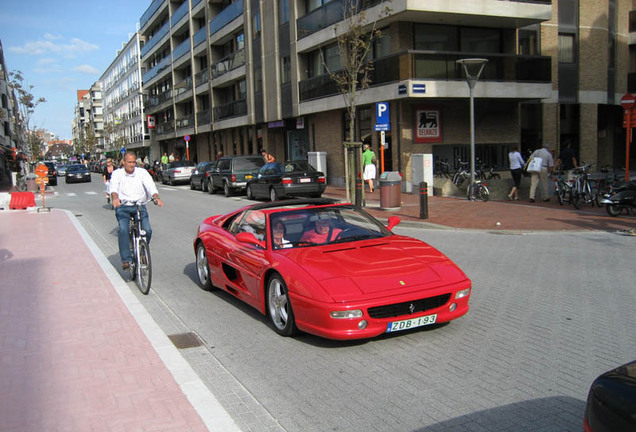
x=151 y=122
x=628 y=101
x=428 y=125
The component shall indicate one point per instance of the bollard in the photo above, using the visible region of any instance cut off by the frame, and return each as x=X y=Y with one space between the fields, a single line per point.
x=358 y=200
x=423 y=200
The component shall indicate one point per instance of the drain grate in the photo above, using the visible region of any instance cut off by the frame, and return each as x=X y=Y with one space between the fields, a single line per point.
x=185 y=340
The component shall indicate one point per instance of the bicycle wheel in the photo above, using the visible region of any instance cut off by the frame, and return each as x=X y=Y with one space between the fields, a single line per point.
x=483 y=193
x=575 y=199
x=133 y=265
x=144 y=267
x=560 y=192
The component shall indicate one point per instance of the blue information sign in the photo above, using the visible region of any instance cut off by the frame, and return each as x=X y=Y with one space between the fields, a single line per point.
x=382 y=119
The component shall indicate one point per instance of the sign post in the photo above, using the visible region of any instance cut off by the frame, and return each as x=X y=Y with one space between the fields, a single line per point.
x=42 y=172
x=187 y=142
x=382 y=124
x=627 y=102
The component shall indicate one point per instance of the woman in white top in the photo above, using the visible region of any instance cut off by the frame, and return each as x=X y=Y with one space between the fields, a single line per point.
x=516 y=163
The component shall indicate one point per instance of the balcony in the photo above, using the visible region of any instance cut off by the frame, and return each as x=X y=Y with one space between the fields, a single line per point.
x=185 y=122
x=181 y=50
x=201 y=78
x=165 y=127
x=226 y=16
x=154 y=6
x=487 y=13
x=229 y=63
x=232 y=109
x=200 y=37
x=204 y=117
x=327 y=15
x=163 y=64
x=156 y=38
x=179 y=13
x=421 y=65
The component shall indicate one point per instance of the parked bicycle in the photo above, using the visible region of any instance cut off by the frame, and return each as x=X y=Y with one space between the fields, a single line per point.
x=21 y=183
x=490 y=174
x=141 y=266
x=442 y=169
x=581 y=192
x=610 y=177
x=479 y=190
x=562 y=187
x=461 y=173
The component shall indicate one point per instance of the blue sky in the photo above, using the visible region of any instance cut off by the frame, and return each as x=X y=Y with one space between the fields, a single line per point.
x=62 y=46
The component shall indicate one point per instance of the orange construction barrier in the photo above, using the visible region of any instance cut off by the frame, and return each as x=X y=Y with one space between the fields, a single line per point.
x=22 y=200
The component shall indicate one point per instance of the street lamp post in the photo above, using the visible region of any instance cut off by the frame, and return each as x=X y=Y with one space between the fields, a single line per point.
x=473 y=68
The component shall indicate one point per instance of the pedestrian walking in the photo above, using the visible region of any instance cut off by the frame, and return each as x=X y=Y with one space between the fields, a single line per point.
x=566 y=160
x=516 y=165
x=541 y=174
x=368 y=164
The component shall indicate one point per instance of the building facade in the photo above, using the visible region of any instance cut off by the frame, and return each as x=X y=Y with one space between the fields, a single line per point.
x=88 y=122
x=238 y=76
x=124 y=119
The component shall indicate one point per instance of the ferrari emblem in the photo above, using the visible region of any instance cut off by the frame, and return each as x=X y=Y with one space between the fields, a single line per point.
x=411 y=308
x=402 y=283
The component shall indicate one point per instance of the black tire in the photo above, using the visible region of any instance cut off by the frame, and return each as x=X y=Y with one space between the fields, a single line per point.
x=248 y=193
x=279 y=308
x=226 y=190
x=171 y=181
x=204 y=186
x=211 y=188
x=483 y=193
x=575 y=199
x=613 y=209
x=192 y=186
x=273 y=196
x=144 y=267
x=560 y=193
x=203 y=268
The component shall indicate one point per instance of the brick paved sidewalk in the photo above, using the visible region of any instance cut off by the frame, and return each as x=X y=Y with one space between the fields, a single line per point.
x=72 y=354
x=512 y=215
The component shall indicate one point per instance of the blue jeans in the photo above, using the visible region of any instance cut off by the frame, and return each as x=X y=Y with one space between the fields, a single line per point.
x=123 y=214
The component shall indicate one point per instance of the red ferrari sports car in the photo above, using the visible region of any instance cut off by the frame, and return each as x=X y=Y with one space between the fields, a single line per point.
x=329 y=269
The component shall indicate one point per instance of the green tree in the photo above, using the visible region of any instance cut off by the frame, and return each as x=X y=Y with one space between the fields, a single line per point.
x=27 y=103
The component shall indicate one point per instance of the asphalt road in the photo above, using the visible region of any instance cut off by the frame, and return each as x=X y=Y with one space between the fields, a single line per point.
x=549 y=312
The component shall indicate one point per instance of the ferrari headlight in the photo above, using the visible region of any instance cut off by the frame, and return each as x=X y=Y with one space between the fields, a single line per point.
x=346 y=314
x=462 y=293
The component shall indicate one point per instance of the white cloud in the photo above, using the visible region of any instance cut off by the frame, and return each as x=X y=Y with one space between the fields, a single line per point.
x=48 y=46
x=86 y=69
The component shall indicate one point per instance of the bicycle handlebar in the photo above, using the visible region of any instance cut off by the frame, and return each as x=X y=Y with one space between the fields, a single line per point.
x=132 y=203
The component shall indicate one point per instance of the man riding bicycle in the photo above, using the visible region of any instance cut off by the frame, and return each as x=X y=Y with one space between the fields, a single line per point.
x=131 y=185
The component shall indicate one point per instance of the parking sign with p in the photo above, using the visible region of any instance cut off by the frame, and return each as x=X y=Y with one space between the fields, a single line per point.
x=382 y=120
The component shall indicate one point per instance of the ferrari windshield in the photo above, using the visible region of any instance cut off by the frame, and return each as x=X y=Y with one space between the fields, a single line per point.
x=322 y=225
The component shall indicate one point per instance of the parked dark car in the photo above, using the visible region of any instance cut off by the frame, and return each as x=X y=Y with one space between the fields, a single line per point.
x=231 y=173
x=77 y=173
x=177 y=172
x=199 y=177
x=52 y=174
x=278 y=180
x=611 y=402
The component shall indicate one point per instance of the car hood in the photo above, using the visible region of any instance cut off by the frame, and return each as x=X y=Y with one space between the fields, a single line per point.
x=372 y=268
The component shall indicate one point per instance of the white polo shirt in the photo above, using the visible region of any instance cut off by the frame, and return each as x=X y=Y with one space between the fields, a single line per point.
x=137 y=187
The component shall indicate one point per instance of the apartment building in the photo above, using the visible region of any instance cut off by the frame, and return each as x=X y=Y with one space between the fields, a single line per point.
x=124 y=119
x=238 y=76
x=88 y=121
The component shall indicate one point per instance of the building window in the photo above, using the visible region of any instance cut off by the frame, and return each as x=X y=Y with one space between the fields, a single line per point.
x=258 y=79
x=435 y=38
x=256 y=25
x=480 y=40
x=529 y=40
x=566 y=48
x=283 y=11
x=285 y=70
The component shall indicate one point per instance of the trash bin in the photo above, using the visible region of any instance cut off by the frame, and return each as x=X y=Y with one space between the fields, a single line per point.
x=390 y=190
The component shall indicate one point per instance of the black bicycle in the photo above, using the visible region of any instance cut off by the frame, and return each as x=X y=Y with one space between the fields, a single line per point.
x=141 y=267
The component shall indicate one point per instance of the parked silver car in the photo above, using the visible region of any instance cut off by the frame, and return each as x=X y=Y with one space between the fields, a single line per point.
x=177 y=172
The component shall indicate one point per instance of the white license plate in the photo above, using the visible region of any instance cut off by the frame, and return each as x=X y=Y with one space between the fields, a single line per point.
x=411 y=323
x=305 y=180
